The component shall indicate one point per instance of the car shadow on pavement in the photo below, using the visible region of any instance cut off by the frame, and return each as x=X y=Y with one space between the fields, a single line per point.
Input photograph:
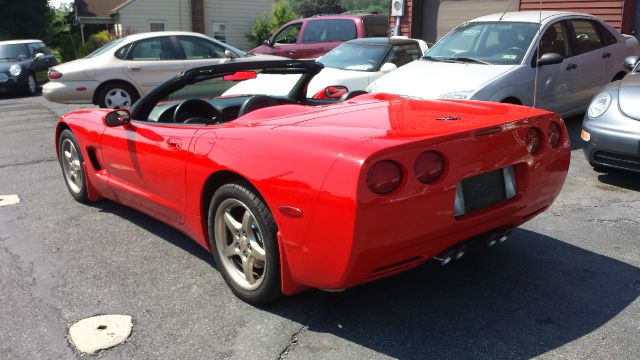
x=574 y=127
x=155 y=227
x=520 y=299
x=623 y=179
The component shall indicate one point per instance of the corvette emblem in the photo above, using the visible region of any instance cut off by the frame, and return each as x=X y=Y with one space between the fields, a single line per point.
x=449 y=118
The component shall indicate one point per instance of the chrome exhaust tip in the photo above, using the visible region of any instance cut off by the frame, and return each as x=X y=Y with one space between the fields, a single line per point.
x=444 y=259
x=460 y=251
x=504 y=237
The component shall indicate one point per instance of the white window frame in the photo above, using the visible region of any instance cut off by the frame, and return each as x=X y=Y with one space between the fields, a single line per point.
x=214 y=27
x=163 y=22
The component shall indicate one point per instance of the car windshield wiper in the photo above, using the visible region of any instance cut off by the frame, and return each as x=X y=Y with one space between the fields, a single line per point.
x=431 y=58
x=469 y=59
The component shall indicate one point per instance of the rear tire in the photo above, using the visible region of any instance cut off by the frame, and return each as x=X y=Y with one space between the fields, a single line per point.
x=72 y=164
x=242 y=235
x=117 y=95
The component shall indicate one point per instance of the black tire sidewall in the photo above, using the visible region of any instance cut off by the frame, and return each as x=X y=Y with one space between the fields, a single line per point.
x=82 y=195
x=270 y=289
x=26 y=85
x=133 y=94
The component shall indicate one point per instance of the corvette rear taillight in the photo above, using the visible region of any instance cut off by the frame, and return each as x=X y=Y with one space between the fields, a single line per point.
x=53 y=74
x=555 y=134
x=534 y=140
x=384 y=177
x=428 y=167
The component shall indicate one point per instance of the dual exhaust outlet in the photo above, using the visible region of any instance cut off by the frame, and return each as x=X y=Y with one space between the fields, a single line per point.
x=456 y=252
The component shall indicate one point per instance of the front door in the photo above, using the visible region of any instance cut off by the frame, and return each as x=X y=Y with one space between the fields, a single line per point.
x=555 y=83
x=285 y=42
x=146 y=162
x=151 y=62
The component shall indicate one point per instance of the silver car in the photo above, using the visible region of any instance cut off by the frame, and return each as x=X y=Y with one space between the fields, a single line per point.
x=611 y=126
x=495 y=58
x=117 y=74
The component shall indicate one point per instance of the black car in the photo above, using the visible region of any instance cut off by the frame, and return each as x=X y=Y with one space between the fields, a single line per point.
x=24 y=65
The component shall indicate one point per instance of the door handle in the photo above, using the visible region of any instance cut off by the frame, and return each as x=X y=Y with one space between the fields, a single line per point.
x=291 y=52
x=134 y=68
x=174 y=143
x=606 y=55
x=571 y=66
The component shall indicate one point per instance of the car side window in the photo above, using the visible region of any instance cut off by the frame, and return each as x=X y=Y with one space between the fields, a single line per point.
x=159 y=48
x=329 y=31
x=555 y=40
x=403 y=54
x=122 y=52
x=33 y=49
x=586 y=36
x=288 y=35
x=197 y=49
x=607 y=36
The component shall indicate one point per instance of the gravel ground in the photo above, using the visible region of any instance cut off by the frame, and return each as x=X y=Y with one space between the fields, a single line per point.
x=565 y=286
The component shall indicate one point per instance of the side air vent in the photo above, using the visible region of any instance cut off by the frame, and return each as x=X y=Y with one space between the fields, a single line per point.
x=94 y=159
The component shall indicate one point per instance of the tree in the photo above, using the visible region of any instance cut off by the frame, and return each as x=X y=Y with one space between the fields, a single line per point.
x=266 y=25
x=25 y=19
x=308 y=8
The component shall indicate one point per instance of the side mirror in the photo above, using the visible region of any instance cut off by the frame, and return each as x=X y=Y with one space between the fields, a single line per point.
x=549 y=59
x=39 y=56
x=117 y=118
x=630 y=62
x=387 y=67
x=268 y=43
x=332 y=92
x=230 y=54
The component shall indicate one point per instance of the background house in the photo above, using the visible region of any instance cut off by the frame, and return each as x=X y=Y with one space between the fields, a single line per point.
x=225 y=20
x=432 y=19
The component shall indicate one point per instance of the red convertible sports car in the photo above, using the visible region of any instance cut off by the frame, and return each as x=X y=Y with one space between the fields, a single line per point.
x=289 y=192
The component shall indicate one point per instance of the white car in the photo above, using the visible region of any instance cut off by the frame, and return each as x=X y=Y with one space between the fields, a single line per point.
x=349 y=67
x=117 y=74
x=495 y=58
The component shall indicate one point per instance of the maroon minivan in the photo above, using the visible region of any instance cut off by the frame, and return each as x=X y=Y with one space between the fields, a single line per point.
x=312 y=37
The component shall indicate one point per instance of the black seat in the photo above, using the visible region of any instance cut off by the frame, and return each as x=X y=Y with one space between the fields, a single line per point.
x=352 y=94
x=258 y=102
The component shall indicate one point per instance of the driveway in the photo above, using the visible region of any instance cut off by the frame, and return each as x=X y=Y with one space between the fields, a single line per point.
x=566 y=285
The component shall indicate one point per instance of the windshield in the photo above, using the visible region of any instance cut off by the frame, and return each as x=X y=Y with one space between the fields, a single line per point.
x=359 y=57
x=13 y=51
x=503 y=43
x=106 y=48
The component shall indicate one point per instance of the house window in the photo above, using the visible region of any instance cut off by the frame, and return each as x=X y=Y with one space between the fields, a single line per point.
x=156 y=26
x=219 y=31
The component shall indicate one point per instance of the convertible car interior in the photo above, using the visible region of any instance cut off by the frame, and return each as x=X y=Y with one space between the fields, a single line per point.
x=203 y=98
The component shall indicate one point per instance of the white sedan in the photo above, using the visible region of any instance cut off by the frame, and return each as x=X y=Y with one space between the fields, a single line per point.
x=349 y=67
x=495 y=58
x=117 y=74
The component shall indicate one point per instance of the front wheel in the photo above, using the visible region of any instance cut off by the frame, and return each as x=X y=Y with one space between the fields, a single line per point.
x=71 y=162
x=242 y=235
x=30 y=85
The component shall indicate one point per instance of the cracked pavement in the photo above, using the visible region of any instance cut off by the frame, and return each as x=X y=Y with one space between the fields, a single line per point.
x=565 y=286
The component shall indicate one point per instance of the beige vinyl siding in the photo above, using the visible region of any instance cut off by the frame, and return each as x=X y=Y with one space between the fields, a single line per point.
x=238 y=15
x=136 y=16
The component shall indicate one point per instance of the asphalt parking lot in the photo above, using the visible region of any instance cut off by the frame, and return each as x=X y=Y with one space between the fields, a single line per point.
x=566 y=285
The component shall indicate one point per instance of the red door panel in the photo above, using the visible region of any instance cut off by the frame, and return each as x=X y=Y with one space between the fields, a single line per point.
x=146 y=163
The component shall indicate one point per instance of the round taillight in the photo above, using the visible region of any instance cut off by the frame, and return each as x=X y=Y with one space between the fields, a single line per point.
x=428 y=167
x=384 y=177
x=534 y=140
x=555 y=134
x=53 y=74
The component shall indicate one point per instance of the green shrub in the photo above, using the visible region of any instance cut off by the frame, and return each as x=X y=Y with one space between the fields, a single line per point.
x=266 y=25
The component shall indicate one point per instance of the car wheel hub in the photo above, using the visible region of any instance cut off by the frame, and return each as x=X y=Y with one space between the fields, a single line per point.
x=31 y=83
x=71 y=166
x=239 y=243
x=117 y=99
